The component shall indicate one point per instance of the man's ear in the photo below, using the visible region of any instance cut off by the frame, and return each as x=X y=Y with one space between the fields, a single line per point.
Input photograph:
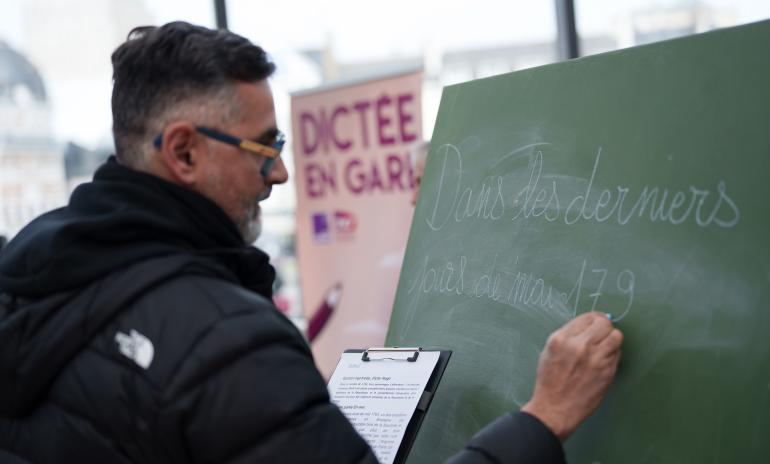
x=181 y=152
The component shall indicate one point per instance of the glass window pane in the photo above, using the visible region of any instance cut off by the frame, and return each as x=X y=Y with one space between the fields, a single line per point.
x=55 y=90
x=314 y=43
x=605 y=25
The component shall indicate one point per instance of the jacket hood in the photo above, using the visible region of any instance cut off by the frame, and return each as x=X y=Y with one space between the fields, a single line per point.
x=58 y=279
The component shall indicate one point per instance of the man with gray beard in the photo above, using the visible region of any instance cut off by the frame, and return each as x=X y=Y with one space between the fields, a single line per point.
x=136 y=323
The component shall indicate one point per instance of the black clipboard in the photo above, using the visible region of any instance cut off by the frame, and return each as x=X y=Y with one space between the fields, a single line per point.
x=410 y=434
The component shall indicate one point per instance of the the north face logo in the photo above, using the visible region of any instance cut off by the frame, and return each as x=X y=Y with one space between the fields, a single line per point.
x=137 y=347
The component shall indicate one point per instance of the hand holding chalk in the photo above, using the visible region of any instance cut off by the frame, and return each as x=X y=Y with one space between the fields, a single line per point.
x=575 y=370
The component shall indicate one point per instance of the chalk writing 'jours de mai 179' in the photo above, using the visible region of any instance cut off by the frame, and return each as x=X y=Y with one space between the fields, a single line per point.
x=513 y=286
x=540 y=198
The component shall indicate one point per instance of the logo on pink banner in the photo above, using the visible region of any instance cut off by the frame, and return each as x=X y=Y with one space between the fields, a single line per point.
x=339 y=225
x=354 y=180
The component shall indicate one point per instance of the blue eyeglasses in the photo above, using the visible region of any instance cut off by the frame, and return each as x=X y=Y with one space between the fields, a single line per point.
x=271 y=153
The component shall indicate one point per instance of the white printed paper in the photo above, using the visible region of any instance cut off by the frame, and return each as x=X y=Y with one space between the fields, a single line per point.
x=380 y=396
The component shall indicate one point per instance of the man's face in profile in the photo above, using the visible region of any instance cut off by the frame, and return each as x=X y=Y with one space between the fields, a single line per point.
x=233 y=179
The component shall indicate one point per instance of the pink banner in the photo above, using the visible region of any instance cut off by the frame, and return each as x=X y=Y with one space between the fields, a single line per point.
x=354 y=181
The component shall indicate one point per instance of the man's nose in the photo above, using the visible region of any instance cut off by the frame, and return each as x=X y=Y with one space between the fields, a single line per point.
x=278 y=174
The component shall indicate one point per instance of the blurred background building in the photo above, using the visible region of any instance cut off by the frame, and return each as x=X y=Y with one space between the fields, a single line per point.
x=55 y=72
x=32 y=178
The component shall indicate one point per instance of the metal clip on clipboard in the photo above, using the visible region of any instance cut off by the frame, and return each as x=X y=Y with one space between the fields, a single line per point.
x=392 y=353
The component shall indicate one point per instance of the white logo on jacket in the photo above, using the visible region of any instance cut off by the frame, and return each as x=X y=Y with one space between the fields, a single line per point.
x=137 y=347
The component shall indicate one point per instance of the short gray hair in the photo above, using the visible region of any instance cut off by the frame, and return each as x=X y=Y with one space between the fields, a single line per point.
x=177 y=71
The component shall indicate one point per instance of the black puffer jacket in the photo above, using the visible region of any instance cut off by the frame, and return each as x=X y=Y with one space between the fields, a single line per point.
x=135 y=327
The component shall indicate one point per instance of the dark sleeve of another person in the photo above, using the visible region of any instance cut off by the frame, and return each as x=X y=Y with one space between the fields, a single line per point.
x=513 y=438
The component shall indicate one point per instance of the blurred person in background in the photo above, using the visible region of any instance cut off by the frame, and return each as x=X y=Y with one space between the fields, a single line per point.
x=418 y=155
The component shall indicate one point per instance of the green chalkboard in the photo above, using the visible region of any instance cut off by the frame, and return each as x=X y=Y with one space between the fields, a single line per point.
x=635 y=182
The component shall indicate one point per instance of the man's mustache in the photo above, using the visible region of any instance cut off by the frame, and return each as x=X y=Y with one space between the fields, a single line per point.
x=265 y=193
